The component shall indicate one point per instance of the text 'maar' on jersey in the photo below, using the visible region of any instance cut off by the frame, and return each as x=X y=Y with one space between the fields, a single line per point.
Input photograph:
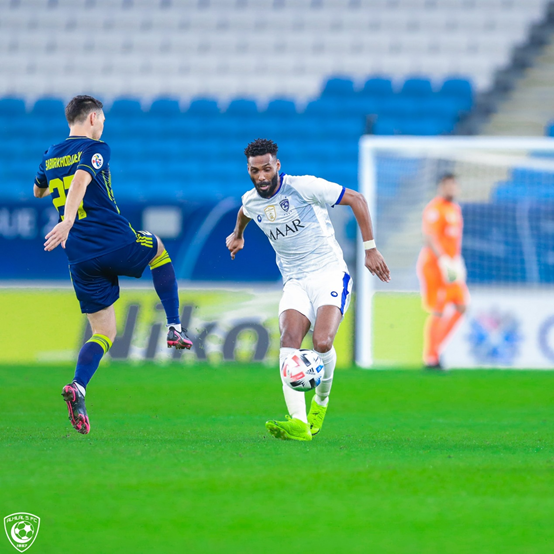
x=99 y=227
x=297 y=224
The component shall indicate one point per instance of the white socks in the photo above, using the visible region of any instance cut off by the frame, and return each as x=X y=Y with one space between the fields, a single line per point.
x=80 y=387
x=322 y=391
x=296 y=404
x=176 y=326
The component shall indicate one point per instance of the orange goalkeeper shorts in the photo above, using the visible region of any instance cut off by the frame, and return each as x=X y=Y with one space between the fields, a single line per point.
x=435 y=292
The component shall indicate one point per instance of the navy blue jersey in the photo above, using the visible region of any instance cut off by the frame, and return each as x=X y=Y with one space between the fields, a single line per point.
x=99 y=226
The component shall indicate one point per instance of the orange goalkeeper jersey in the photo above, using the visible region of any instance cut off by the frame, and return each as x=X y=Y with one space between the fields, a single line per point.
x=443 y=221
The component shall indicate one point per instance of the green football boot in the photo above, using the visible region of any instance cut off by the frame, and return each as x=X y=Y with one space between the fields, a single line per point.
x=316 y=417
x=293 y=429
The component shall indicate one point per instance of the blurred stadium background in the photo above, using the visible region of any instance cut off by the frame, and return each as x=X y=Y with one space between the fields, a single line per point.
x=187 y=84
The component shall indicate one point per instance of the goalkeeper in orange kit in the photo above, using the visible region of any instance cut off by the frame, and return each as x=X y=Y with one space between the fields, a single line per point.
x=441 y=269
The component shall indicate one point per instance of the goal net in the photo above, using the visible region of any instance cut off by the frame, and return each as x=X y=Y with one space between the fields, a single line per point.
x=507 y=200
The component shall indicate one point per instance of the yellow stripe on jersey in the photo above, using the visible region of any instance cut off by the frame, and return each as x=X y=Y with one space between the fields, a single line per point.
x=145 y=241
x=162 y=259
x=102 y=340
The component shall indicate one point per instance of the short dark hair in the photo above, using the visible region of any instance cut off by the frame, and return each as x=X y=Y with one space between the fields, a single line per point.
x=80 y=106
x=259 y=147
x=445 y=177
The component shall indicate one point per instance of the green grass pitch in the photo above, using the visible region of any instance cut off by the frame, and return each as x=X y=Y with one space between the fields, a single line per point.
x=178 y=460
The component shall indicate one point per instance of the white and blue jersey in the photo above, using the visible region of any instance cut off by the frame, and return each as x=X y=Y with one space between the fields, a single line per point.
x=296 y=222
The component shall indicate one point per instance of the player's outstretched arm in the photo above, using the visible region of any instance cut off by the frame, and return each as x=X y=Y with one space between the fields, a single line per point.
x=41 y=192
x=235 y=241
x=58 y=235
x=374 y=261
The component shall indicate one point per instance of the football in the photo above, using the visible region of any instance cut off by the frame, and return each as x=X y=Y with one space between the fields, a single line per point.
x=24 y=530
x=302 y=370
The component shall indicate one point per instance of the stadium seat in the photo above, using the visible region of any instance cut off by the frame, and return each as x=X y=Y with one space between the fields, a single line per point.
x=322 y=108
x=52 y=107
x=338 y=86
x=125 y=107
x=12 y=107
x=387 y=125
x=417 y=88
x=441 y=106
x=242 y=107
x=165 y=107
x=203 y=107
x=281 y=107
x=459 y=89
x=377 y=86
x=424 y=126
x=532 y=177
x=343 y=128
x=399 y=106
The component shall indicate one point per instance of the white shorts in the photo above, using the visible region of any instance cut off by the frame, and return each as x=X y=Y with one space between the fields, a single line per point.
x=325 y=288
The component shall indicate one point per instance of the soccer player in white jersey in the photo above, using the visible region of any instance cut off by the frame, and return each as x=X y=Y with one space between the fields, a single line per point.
x=292 y=212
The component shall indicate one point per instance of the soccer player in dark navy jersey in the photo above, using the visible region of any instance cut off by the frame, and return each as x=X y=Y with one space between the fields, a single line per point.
x=99 y=242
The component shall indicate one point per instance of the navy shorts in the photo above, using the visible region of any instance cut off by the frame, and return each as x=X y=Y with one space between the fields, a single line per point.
x=96 y=281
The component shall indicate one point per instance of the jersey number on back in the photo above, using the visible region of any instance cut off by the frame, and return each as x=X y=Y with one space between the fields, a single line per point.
x=61 y=187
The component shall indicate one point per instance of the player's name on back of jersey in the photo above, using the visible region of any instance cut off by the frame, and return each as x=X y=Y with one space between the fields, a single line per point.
x=64 y=161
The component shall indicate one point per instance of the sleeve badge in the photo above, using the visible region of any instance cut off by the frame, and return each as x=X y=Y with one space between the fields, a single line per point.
x=97 y=161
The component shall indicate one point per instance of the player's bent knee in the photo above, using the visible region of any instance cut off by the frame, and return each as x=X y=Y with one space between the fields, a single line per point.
x=323 y=344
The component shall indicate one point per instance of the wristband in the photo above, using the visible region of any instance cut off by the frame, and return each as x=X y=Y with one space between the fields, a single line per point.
x=369 y=244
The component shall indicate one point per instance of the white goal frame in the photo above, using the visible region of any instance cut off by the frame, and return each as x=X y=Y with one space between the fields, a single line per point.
x=367 y=176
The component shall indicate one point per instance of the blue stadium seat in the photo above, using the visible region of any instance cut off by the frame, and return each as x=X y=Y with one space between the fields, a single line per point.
x=165 y=107
x=203 y=107
x=164 y=151
x=510 y=191
x=338 y=86
x=417 y=87
x=343 y=107
x=53 y=107
x=532 y=177
x=399 y=106
x=174 y=146
x=441 y=106
x=342 y=173
x=125 y=107
x=387 y=125
x=268 y=127
x=197 y=125
x=281 y=107
x=460 y=89
x=12 y=107
x=312 y=150
x=323 y=107
x=377 y=86
x=424 y=126
x=360 y=106
x=242 y=107
x=344 y=128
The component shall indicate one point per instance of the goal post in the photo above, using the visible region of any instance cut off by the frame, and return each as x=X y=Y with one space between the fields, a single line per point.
x=507 y=199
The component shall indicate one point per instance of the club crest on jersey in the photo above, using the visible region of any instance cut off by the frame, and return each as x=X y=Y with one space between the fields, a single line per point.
x=271 y=213
x=97 y=161
x=22 y=530
x=285 y=204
